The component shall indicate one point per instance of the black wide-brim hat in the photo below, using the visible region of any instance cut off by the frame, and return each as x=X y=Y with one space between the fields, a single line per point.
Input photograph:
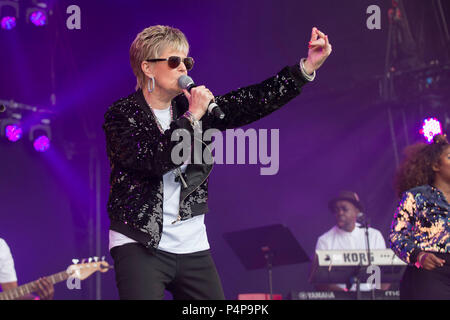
x=348 y=196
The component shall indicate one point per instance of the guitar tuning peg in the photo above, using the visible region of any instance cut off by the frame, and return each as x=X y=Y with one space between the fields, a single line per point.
x=83 y=260
x=75 y=261
x=103 y=258
x=95 y=259
x=90 y=260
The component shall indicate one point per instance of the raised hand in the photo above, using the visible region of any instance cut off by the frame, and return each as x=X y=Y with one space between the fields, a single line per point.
x=319 y=50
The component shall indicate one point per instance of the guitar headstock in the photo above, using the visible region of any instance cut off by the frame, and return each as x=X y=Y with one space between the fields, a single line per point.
x=85 y=269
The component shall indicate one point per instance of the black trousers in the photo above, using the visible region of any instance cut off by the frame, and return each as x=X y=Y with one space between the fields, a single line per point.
x=421 y=284
x=144 y=275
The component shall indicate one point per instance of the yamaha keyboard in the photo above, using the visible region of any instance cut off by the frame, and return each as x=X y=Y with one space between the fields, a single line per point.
x=340 y=266
x=342 y=295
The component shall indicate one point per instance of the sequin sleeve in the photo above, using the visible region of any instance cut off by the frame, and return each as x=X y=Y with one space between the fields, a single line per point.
x=248 y=104
x=133 y=145
x=402 y=229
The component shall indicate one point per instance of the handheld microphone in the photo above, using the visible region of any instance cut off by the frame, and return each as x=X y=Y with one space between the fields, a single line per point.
x=362 y=218
x=186 y=82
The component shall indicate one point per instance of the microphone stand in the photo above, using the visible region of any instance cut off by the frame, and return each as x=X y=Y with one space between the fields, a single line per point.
x=365 y=225
x=268 y=255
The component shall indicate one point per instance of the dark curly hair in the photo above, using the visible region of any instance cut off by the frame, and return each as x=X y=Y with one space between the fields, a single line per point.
x=416 y=169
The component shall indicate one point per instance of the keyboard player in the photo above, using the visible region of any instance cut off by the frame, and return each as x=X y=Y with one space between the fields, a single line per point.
x=347 y=234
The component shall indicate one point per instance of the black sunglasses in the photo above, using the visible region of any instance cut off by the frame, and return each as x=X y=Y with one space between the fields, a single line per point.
x=175 y=61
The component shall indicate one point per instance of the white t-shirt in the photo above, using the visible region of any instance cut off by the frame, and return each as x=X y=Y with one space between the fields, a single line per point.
x=184 y=236
x=338 y=239
x=7 y=271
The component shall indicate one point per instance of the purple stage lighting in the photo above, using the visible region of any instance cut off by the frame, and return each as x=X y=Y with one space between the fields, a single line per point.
x=8 y=23
x=430 y=128
x=38 y=18
x=41 y=144
x=13 y=132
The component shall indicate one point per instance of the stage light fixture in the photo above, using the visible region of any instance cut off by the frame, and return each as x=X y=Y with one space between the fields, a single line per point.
x=38 y=14
x=41 y=135
x=430 y=128
x=41 y=144
x=11 y=127
x=9 y=12
x=38 y=18
x=8 y=23
x=13 y=132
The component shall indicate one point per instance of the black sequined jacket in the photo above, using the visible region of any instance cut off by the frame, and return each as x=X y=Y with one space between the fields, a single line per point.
x=140 y=154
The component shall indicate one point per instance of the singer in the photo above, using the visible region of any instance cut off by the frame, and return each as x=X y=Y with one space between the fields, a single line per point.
x=420 y=232
x=157 y=233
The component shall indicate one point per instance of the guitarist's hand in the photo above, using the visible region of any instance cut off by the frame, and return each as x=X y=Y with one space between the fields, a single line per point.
x=45 y=289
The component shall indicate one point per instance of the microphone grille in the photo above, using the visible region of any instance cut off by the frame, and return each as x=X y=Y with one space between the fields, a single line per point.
x=185 y=81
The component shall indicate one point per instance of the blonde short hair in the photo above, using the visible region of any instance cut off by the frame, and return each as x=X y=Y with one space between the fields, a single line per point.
x=150 y=43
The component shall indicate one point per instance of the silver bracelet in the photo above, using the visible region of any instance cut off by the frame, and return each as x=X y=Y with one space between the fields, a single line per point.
x=194 y=123
x=307 y=76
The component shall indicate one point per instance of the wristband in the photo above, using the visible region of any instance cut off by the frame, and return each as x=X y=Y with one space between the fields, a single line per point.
x=419 y=261
x=194 y=123
x=308 y=77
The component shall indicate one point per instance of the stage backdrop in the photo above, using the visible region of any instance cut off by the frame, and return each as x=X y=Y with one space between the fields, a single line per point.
x=334 y=136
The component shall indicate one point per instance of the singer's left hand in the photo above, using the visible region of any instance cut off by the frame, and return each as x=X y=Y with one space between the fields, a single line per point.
x=319 y=50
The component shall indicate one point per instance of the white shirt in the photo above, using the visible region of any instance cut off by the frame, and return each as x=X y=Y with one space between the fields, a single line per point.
x=338 y=239
x=184 y=236
x=7 y=271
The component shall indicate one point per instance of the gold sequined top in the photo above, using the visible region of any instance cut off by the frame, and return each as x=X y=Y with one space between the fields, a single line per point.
x=421 y=223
